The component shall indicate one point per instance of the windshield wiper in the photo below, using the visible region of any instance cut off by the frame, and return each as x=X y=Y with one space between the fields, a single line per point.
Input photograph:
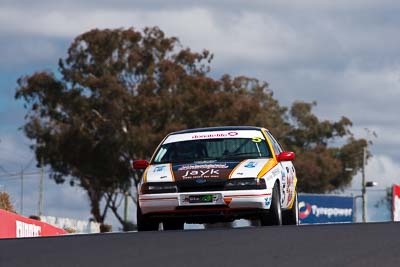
x=234 y=155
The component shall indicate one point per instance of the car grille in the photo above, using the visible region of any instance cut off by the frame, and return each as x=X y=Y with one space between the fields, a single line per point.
x=201 y=185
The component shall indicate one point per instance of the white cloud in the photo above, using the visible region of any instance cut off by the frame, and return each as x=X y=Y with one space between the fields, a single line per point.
x=384 y=170
x=381 y=169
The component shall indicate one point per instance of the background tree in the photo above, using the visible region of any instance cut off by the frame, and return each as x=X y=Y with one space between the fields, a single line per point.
x=5 y=202
x=322 y=166
x=119 y=92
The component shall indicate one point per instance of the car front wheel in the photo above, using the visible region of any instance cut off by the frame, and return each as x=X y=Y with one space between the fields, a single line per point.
x=145 y=223
x=274 y=215
x=291 y=216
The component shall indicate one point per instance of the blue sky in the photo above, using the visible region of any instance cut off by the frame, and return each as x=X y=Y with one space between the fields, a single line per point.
x=342 y=54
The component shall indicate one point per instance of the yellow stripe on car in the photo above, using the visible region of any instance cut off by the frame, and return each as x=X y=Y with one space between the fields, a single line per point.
x=269 y=143
x=294 y=193
x=145 y=174
x=267 y=167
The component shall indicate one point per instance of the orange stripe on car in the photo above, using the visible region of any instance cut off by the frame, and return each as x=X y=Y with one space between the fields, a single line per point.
x=267 y=167
x=172 y=172
x=145 y=174
x=234 y=169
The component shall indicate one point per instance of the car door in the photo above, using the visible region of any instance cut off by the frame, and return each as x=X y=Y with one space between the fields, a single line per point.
x=287 y=174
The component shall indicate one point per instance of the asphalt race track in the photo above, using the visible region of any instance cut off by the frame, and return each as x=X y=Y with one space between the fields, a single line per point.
x=374 y=244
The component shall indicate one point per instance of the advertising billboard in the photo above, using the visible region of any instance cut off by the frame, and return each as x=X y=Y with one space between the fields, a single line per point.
x=15 y=226
x=315 y=208
x=396 y=203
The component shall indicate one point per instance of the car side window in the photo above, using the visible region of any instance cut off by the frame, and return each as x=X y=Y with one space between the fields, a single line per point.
x=277 y=147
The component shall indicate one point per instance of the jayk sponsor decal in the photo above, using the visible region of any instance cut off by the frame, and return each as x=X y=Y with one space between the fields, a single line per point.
x=208 y=170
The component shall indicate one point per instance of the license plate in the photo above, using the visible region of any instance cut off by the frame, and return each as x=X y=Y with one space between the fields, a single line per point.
x=201 y=199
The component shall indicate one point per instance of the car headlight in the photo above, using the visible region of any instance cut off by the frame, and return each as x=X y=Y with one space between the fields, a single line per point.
x=245 y=183
x=157 y=188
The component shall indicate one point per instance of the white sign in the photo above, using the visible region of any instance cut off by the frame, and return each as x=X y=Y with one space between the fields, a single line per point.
x=396 y=203
x=214 y=135
x=27 y=229
x=396 y=212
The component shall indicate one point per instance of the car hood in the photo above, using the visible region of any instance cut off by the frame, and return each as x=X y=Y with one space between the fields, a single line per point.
x=207 y=170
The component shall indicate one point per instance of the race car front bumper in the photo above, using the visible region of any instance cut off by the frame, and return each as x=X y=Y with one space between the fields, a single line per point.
x=233 y=204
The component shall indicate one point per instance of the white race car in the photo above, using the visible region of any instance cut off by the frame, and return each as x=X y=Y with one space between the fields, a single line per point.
x=217 y=174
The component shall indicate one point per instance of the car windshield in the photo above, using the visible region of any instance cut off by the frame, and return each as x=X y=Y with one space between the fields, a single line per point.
x=212 y=149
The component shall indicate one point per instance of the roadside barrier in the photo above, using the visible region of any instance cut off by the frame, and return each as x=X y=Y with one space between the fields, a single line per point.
x=15 y=226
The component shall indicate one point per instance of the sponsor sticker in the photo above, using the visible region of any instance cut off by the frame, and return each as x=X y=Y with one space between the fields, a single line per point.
x=251 y=164
x=275 y=172
x=201 y=181
x=203 y=166
x=208 y=170
x=201 y=173
x=283 y=177
x=159 y=169
x=214 y=135
x=268 y=201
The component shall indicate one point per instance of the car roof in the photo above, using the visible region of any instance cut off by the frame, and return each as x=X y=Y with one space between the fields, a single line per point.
x=220 y=128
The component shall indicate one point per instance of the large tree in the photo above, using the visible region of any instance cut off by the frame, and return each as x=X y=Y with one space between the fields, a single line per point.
x=118 y=92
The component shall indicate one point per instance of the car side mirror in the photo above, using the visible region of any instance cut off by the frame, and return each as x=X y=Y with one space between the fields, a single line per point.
x=286 y=156
x=140 y=164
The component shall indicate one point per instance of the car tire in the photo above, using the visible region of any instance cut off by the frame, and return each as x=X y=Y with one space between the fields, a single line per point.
x=144 y=223
x=273 y=216
x=173 y=225
x=291 y=216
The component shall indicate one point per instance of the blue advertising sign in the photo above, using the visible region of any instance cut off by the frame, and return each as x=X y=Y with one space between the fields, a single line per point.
x=315 y=208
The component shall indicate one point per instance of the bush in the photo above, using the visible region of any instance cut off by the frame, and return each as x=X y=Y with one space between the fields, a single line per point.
x=5 y=202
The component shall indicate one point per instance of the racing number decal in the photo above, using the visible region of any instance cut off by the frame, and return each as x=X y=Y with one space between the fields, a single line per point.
x=256 y=139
